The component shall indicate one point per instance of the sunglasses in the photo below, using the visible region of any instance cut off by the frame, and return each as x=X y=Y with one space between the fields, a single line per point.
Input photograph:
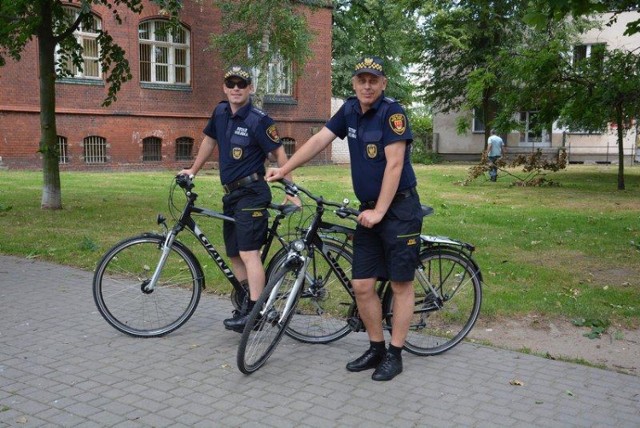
x=241 y=84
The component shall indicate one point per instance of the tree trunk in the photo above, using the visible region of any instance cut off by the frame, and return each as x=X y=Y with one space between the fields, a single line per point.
x=51 y=189
x=620 y=148
x=263 y=68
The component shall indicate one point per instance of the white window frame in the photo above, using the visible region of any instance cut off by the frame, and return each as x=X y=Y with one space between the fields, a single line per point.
x=84 y=36
x=542 y=139
x=279 y=78
x=588 y=49
x=158 y=42
x=476 y=121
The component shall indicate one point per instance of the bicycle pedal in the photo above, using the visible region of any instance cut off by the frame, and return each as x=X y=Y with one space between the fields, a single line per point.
x=356 y=324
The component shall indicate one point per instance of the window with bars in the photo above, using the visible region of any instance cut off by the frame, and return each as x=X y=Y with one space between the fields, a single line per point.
x=289 y=145
x=151 y=149
x=63 y=153
x=164 y=53
x=95 y=149
x=87 y=37
x=184 y=148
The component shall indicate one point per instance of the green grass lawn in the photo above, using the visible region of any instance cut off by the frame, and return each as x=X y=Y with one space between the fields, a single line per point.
x=571 y=250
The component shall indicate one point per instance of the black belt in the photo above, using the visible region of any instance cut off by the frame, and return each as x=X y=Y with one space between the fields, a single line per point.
x=230 y=187
x=399 y=196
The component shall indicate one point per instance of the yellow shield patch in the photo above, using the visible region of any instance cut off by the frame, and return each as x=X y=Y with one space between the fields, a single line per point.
x=257 y=214
x=372 y=151
x=272 y=133
x=236 y=153
x=412 y=241
x=398 y=123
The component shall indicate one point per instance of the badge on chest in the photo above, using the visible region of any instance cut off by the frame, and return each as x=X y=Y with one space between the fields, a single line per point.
x=372 y=151
x=236 y=153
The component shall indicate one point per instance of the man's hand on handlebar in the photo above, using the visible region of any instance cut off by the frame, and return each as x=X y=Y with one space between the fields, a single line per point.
x=274 y=174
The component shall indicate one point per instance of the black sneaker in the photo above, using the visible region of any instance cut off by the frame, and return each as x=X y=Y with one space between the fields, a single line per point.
x=369 y=360
x=390 y=367
x=237 y=321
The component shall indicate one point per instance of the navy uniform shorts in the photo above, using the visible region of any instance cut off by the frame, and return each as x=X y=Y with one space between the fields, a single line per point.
x=391 y=248
x=248 y=206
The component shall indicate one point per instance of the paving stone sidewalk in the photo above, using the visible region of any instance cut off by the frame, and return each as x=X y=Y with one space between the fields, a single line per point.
x=61 y=364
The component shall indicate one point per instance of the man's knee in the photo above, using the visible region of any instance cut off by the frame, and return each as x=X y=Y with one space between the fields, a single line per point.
x=363 y=287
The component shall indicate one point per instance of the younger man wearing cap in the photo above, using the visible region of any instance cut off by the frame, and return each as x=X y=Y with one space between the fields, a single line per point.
x=245 y=136
x=386 y=242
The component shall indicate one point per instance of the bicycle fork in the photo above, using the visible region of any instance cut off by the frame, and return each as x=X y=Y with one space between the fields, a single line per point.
x=303 y=262
x=166 y=249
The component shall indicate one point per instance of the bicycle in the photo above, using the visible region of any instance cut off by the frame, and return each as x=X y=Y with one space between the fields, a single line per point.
x=448 y=292
x=149 y=285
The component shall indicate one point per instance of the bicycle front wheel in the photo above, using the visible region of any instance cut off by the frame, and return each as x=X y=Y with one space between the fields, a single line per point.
x=120 y=280
x=326 y=302
x=448 y=295
x=268 y=321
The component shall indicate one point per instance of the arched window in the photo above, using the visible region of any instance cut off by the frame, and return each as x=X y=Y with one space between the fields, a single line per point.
x=164 y=53
x=151 y=149
x=95 y=149
x=63 y=150
x=87 y=37
x=184 y=148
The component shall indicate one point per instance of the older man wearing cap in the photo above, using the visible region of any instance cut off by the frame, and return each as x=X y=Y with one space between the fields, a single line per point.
x=386 y=238
x=245 y=136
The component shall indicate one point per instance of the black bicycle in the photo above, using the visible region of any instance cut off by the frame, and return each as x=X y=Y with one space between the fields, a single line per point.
x=150 y=285
x=309 y=295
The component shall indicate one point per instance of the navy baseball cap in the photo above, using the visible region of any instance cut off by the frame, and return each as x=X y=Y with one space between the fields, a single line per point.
x=371 y=65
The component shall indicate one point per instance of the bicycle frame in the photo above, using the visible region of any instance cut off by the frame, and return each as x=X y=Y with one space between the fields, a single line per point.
x=186 y=221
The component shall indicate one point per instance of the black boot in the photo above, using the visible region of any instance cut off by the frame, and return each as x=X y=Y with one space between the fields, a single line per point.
x=370 y=359
x=239 y=318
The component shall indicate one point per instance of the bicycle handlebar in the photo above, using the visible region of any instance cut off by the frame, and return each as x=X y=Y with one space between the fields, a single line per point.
x=185 y=181
x=343 y=211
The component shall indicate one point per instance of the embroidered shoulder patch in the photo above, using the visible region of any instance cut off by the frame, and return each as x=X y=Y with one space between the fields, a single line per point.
x=398 y=123
x=272 y=133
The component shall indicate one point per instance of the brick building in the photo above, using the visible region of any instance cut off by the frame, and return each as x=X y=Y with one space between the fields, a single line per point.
x=158 y=118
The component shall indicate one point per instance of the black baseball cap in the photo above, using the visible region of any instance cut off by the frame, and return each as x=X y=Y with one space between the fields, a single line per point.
x=238 y=71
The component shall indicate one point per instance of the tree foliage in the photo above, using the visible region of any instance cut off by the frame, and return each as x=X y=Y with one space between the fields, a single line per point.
x=541 y=11
x=460 y=60
x=375 y=27
x=256 y=32
x=607 y=95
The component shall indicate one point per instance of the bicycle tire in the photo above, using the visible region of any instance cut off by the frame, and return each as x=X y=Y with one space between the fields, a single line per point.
x=127 y=267
x=263 y=330
x=440 y=322
x=325 y=304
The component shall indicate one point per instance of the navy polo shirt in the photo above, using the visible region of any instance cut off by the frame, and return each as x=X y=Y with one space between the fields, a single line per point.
x=244 y=140
x=368 y=134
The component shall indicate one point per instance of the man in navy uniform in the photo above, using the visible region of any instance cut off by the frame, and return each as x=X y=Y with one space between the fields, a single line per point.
x=245 y=136
x=386 y=242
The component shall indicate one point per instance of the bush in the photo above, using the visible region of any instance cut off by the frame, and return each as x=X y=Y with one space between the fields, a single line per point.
x=422 y=147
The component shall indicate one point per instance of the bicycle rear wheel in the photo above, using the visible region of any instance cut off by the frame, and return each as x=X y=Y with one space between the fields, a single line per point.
x=267 y=321
x=441 y=319
x=326 y=302
x=124 y=271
